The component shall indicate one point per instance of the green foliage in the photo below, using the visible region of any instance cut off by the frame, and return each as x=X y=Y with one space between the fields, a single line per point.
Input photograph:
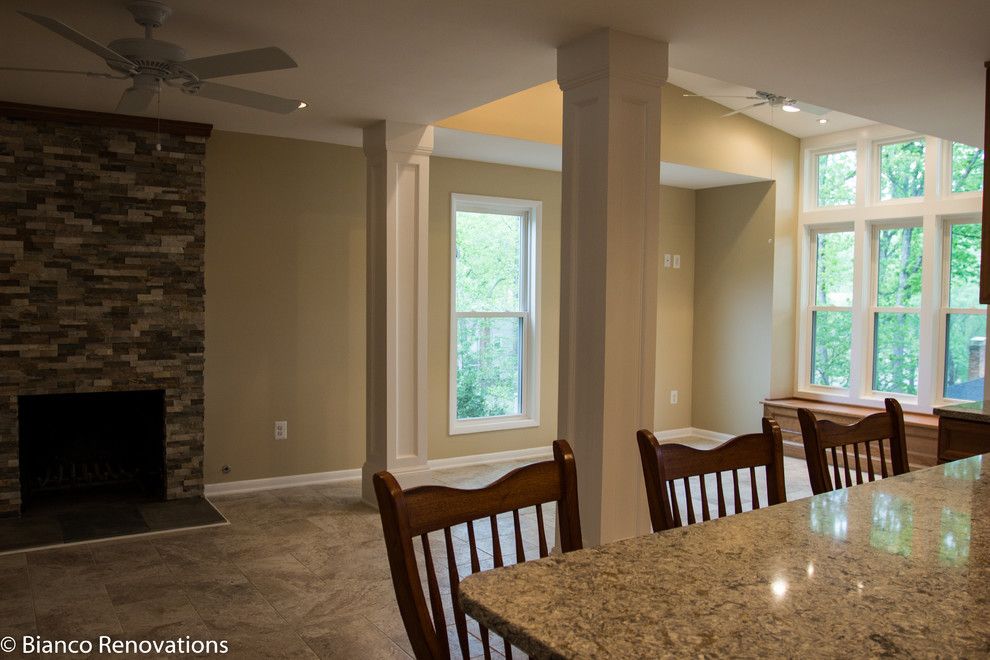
x=902 y=169
x=832 y=339
x=834 y=269
x=837 y=178
x=967 y=168
x=488 y=279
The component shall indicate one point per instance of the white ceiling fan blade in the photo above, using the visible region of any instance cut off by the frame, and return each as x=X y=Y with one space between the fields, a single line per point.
x=135 y=100
x=245 y=97
x=812 y=109
x=77 y=38
x=748 y=107
x=91 y=74
x=245 y=61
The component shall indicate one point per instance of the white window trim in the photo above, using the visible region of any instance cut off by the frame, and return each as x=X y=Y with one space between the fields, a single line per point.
x=933 y=208
x=532 y=211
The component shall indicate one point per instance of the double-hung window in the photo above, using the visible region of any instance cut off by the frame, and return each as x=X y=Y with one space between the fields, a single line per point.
x=896 y=309
x=494 y=373
x=963 y=318
x=831 y=308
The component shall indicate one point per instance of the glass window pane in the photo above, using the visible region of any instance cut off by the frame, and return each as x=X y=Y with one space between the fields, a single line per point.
x=899 y=267
x=831 y=341
x=837 y=178
x=834 y=266
x=967 y=168
x=902 y=169
x=895 y=353
x=964 y=265
x=965 y=356
x=488 y=262
x=489 y=367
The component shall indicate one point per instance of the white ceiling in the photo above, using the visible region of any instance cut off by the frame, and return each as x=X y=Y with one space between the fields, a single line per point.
x=540 y=155
x=917 y=64
x=799 y=124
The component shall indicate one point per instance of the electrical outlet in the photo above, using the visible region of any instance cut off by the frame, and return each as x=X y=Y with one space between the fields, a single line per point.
x=281 y=430
x=677 y=261
x=673 y=397
x=666 y=261
x=225 y=469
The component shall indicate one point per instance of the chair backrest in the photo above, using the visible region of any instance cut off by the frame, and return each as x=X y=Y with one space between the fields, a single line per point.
x=664 y=465
x=420 y=511
x=864 y=440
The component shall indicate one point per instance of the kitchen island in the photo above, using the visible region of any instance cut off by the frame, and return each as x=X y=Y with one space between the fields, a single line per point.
x=900 y=565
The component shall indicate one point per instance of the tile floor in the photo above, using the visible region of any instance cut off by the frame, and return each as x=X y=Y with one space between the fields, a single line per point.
x=299 y=572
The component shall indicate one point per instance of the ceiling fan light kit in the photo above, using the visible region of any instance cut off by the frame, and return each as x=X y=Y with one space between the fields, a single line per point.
x=149 y=63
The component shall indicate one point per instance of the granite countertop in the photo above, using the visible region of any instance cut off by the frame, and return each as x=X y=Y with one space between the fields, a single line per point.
x=976 y=411
x=900 y=565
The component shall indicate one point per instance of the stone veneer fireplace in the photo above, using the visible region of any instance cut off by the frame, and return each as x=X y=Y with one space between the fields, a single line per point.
x=101 y=273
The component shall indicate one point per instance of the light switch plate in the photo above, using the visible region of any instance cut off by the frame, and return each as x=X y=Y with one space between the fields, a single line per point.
x=281 y=430
x=677 y=261
x=666 y=261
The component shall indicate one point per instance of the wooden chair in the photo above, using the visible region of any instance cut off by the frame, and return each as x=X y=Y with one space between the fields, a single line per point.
x=666 y=464
x=822 y=436
x=419 y=511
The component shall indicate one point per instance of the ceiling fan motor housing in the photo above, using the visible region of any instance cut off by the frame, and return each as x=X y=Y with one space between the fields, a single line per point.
x=149 y=13
x=151 y=55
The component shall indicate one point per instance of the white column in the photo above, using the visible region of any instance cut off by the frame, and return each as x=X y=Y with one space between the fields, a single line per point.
x=398 y=183
x=610 y=239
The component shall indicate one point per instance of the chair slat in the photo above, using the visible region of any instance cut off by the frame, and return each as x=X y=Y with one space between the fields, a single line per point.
x=869 y=462
x=835 y=469
x=496 y=544
x=675 y=508
x=460 y=621
x=473 y=546
x=541 y=531
x=845 y=466
x=689 y=501
x=859 y=470
x=883 y=459
x=752 y=488
x=436 y=604
x=520 y=552
x=705 y=515
x=721 y=495
x=735 y=491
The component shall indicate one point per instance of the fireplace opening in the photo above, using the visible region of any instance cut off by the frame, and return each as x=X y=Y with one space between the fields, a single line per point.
x=96 y=444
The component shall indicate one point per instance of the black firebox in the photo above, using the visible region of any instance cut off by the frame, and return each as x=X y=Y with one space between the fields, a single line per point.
x=95 y=443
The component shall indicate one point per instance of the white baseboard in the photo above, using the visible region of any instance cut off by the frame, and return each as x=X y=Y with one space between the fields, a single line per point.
x=314 y=478
x=691 y=432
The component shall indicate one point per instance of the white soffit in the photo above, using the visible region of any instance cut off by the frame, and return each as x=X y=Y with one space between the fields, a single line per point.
x=450 y=143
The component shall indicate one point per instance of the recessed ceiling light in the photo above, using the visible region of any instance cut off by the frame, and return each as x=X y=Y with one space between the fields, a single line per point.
x=302 y=104
x=822 y=121
x=790 y=107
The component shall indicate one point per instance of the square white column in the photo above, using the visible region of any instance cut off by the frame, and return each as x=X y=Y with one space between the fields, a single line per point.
x=398 y=184
x=610 y=239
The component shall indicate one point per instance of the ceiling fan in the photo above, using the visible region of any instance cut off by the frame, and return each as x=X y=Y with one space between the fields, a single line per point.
x=149 y=63
x=785 y=103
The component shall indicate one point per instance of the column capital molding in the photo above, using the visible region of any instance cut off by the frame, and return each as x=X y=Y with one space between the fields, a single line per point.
x=609 y=53
x=398 y=137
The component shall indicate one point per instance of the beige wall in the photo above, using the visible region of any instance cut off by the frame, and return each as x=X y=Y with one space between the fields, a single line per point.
x=733 y=306
x=675 y=310
x=461 y=176
x=285 y=281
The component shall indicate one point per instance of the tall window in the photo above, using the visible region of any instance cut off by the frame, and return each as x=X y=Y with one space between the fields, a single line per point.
x=964 y=319
x=891 y=262
x=494 y=302
x=831 y=313
x=896 y=309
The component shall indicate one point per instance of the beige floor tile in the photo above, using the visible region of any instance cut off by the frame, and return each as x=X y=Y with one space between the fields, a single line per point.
x=350 y=637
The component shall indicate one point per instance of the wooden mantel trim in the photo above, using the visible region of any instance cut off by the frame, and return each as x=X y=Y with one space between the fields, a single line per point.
x=72 y=116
